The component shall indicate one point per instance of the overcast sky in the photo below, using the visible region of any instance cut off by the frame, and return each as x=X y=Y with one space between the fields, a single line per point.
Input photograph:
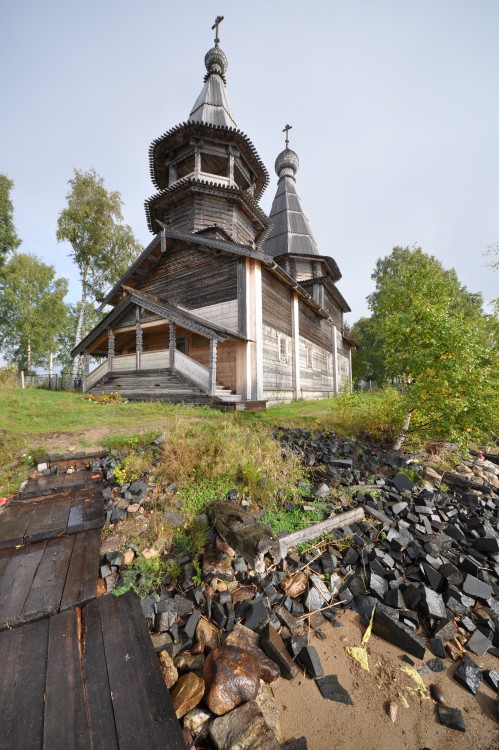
x=394 y=106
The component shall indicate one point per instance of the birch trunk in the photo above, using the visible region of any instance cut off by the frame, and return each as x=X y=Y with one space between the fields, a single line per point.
x=28 y=356
x=51 y=364
x=405 y=429
x=81 y=317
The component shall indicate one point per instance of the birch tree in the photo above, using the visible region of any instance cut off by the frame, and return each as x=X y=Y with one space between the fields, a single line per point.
x=9 y=240
x=102 y=247
x=32 y=310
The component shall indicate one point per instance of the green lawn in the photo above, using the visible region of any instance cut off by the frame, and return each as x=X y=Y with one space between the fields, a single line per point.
x=34 y=422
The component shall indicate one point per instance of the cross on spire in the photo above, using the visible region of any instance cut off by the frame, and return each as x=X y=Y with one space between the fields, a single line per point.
x=218 y=21
x=286 y=130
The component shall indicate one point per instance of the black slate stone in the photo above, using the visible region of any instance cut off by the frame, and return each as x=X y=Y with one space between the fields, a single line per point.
x=148 y=608
x=437 y=647
x=182 y=605
x=393 y=631
x=309 y=660
x=451 y=717
x=218 y=615
x=468 y=674
x=296 y=744
x=433 y=604
x=332 y=690
x=476 y=588
x=274 y=647
x=402 y=482
x=190 y=625
x=257 y=616
x=487 y=544
x=350 y=557
x=378 y=585
x=491 y=677
x=436 y=665
x=478 y=643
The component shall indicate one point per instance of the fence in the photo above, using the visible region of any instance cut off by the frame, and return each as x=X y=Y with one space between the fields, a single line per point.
x=61 y=382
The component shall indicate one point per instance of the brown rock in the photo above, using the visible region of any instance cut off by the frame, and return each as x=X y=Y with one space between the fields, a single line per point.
x=232 y=677
x=244 y=638
x=207 y=637
x=196 y=722
x=295 y=585
x=222 y=546
x=187 y=693
x=243 y=729
x=189 y=662
x=242 y=594
x=128 y=557
x=215 y=566
x=168 y=669
x=266 y=703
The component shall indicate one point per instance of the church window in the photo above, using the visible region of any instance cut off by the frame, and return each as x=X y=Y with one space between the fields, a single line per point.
x=282 y=343
x=185 y=167
x=310 y=357
x=213 y=164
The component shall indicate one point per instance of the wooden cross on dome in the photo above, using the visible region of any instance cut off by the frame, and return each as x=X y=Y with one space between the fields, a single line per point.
x=286 y=130
x=218 y=21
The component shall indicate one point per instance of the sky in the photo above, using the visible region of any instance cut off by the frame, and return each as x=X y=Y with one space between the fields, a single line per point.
x=394 y=106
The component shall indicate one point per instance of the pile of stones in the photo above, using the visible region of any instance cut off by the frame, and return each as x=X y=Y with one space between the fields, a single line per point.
x=425 y=559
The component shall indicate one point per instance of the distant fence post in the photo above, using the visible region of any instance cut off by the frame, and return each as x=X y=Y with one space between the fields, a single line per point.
x=22 y=379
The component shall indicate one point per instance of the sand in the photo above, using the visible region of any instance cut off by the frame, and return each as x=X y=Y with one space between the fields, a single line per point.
x=366 y=725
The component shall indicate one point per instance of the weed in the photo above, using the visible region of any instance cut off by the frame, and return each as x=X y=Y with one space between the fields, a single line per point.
x=144 y=576
x=286 y=521
x=133 y=467
x=172 y=569
x=195 y=497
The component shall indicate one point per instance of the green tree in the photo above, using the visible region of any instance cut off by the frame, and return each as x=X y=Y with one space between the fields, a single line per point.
x=32 y=310
x=367 y=363
x=433 y=335
x=65 y=340
x=9 y=240
x=102 y=247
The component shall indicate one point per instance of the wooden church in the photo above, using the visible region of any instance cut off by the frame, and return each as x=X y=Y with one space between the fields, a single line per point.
x=226 y=305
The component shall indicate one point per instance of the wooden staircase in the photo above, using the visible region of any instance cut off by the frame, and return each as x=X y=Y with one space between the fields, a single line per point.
x=160 y=385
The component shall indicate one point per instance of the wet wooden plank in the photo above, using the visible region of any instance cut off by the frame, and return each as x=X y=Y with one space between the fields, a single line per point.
x=100 y=706
x=16 y=581
x=48 y=521
x=13 y=525
x=66 y=724
x=23 y=654
x=81 y=581
x=144 y=715
x=56 y=483
x=48 y=584
x=86 y=513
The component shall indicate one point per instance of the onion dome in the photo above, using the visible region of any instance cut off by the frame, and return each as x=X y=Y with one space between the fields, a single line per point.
x=287 y=163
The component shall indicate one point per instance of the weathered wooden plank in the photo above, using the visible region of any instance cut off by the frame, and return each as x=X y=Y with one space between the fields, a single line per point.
x=98 y=692
x=13 y=525
x=81 y=581
x=48 y=584
x=318 y=529
x=23 y=653
x=86 y=513
x=49 y=521
x=16 y=582
x=66 y=724
x=144 y=716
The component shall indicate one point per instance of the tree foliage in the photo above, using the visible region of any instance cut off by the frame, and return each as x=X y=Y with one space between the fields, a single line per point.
x=432 y=334
x=32 y=310
x=9 y=240
x=65 y=340
x=101 y=245
x=367 y=362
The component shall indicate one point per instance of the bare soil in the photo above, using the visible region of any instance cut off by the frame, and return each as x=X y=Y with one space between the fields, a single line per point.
x=366 y=725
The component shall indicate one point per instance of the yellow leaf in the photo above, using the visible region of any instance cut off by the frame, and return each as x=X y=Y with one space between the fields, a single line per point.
x=360 y=655
x=421 y=687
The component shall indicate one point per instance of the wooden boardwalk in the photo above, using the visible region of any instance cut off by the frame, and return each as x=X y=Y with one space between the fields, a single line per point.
x=86 y=678
x=75 y=671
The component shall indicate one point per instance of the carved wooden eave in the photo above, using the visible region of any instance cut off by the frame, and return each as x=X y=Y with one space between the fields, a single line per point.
x=192 y=185
x=163 y=309
x=175 y=137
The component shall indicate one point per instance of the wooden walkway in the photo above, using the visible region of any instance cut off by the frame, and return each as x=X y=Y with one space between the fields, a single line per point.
x=75 y=671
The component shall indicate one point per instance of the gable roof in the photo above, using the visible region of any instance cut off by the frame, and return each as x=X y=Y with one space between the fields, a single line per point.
x=164 y=309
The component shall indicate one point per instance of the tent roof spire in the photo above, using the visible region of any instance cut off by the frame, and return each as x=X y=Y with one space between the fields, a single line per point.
x=212 y=105
x=291 y=232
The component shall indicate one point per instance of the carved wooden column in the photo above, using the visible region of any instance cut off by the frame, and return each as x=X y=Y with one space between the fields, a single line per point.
x=138 y=344
x=173 y=345
x=213 y=367
x=86 y=369
x=110 y=348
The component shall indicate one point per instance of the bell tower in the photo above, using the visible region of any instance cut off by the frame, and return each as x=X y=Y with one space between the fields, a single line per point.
x=207 y=171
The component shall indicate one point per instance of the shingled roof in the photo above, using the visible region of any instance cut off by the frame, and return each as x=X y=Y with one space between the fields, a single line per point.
x=291 y=232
